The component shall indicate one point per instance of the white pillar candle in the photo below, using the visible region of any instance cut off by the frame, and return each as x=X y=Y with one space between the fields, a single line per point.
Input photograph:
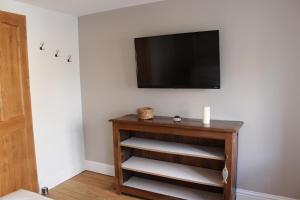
x=206 y=115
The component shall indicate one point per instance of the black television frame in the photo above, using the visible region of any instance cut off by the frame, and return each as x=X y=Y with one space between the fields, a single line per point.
x=217 y=86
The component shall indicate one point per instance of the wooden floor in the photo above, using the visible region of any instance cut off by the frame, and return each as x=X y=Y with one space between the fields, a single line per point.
x=87 y=186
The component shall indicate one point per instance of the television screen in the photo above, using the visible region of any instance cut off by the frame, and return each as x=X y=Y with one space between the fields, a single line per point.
x=186 y=60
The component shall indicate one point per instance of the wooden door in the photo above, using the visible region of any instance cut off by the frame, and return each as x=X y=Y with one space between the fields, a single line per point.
x=17 y=155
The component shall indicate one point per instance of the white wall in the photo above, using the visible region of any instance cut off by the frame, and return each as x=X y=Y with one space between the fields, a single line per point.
x=260 y=59
x=55 y=92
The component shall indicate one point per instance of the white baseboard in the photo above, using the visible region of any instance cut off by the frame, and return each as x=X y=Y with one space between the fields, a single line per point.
x=60 y=177
x=100 y=168
x=241 y=194
x=251 y=195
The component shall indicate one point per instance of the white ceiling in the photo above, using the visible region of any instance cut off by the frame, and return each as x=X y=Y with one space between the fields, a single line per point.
x=85 y=7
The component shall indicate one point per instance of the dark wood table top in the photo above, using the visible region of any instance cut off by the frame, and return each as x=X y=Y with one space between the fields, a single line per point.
x=189 y=123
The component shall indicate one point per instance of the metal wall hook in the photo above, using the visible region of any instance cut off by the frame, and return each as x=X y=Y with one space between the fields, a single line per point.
x=69 y=58
x=57 y=53
x=42 y=46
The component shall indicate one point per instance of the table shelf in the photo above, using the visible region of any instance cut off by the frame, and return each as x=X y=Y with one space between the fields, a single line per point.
x=174 y=171
x=170 y=189
x=174 y=148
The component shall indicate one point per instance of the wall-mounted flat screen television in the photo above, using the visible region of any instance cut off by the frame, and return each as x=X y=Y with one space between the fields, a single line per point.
x=185 y=60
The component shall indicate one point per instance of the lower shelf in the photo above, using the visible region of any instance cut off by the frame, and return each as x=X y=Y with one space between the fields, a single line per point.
x=170 y=189
x=174 y=171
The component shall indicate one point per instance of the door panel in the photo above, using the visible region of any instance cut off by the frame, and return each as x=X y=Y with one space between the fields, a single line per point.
x=11 y=97
x=17 y=155
x=11 y=147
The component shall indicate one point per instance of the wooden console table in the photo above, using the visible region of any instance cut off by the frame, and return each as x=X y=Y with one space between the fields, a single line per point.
x=162 y=159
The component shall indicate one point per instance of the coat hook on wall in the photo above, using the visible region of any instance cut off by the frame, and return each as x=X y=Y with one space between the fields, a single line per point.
x=57 y=53
x=69 y=58
x=42 y=46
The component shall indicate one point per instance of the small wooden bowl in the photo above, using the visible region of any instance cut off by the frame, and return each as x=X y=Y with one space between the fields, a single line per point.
x=145 y=113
